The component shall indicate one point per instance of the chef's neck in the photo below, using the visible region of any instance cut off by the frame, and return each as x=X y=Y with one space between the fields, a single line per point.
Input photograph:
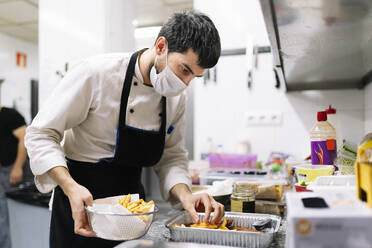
x=145 y=62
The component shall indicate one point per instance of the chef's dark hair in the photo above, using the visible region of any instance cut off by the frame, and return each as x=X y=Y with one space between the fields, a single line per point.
x=193 y=30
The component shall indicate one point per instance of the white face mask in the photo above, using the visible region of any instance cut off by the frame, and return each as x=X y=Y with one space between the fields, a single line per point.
x=166 y=83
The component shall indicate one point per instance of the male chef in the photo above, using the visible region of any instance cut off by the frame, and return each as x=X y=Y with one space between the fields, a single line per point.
x=122 y=113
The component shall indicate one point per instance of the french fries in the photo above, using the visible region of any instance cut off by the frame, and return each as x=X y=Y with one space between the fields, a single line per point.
x=176 y=225
x=124 y=202
x=136 y=207
x=222 y=226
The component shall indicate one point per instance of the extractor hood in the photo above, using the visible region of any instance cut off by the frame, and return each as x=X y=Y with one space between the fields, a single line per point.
x=320 y=44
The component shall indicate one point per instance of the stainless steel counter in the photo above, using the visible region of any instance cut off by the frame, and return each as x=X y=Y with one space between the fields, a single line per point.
x=160 y=236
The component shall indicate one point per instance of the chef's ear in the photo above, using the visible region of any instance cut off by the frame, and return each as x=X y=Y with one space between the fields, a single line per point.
x=160 y=45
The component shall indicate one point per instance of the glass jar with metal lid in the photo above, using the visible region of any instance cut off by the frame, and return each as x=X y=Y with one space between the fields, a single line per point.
x=243 y=198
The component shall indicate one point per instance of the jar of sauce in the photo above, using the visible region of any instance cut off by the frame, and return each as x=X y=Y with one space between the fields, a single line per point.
x=243 y=198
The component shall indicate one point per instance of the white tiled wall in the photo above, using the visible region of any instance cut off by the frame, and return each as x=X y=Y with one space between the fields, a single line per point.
x=65 y=36
x=220 y=108
x=368 y=108
x=16 y=87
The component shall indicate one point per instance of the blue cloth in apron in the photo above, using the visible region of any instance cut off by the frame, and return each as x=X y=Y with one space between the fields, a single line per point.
x=121 y=174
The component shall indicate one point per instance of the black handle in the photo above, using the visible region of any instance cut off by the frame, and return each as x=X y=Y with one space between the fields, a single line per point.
x=277 y=85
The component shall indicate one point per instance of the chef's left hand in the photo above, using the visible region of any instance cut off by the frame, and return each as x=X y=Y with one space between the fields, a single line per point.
x=194 y=203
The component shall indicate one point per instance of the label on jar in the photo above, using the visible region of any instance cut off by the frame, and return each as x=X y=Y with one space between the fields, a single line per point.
x=242 y=206
x=323 y=152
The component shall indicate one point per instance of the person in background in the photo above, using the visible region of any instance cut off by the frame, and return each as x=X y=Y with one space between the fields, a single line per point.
x=13 y=156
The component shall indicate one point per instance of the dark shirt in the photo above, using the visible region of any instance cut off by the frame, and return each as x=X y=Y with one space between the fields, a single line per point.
x=10 y=120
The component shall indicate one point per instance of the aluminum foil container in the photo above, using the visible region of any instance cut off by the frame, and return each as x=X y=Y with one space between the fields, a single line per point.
x=224 y=237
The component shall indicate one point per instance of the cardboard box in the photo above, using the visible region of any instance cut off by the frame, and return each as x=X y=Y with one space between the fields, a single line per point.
x=346 y=223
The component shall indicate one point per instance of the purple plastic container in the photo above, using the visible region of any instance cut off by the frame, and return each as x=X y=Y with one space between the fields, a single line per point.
x=231 y=160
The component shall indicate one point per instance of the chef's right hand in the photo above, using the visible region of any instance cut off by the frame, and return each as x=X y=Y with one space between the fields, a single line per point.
x=80 y=196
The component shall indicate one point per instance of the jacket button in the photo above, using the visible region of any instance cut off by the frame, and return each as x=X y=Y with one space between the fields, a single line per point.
x=135 y=83
x=131 y=110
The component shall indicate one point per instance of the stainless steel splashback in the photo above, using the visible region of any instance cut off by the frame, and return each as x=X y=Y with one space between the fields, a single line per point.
x=320 y=44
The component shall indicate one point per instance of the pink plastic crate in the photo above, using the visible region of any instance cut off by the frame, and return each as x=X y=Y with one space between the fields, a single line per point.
x=230 y=160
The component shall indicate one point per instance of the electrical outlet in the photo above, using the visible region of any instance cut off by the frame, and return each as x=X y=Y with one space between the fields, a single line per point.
x=276 y=118
x=251 y=118
x=264 y=118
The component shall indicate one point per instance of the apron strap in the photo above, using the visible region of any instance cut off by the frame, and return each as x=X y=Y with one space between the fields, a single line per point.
x=126 y=88
x=126 y=91
x=163 y=115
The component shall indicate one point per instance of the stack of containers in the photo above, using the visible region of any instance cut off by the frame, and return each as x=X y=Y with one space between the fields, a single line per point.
x=224 y=166
x=346 y=157
x=346 y=151
x=232 y=161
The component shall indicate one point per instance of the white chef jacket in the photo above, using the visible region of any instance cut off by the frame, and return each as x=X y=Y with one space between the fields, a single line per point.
x=86 y=103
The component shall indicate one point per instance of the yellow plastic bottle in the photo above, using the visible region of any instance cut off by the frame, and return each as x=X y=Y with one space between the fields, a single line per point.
x=363 y=170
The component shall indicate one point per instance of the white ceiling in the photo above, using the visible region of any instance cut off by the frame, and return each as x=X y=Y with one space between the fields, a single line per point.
x=19 y=18
x=156 y=12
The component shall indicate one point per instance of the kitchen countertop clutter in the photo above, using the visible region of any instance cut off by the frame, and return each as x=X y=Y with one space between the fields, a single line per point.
x=332 y=209
x=281 y=203
x=160 y=236
x=293 y=204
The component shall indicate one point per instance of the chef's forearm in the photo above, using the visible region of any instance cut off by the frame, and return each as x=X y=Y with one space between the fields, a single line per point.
x=180 y=191
x=63 y=178
x=21 y=155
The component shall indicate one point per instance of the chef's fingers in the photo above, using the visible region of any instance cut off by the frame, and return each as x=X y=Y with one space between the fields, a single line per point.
x=88 y=200
x=85 y=231
x=223 y=211
x=207 y=207
x=81 y=225
x=216 y=210
x=192 y=212
x=219 y=212
x=78 y=201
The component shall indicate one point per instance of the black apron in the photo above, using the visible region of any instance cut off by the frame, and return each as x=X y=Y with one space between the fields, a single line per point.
x=119 y=175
